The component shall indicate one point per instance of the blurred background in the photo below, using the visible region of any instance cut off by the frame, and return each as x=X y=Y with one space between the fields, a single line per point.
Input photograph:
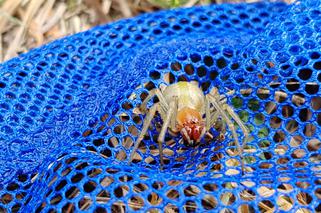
x=25 y=24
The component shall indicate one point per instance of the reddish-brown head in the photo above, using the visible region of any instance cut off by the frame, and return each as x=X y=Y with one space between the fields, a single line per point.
x=190 y=125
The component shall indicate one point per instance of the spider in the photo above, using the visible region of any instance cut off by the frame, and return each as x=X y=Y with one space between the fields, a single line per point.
x=182 y=107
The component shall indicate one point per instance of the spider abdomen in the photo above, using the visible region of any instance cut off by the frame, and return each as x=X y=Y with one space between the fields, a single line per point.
x=189 y=95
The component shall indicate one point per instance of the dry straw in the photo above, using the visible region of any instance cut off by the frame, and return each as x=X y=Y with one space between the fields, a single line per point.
x=26 y=24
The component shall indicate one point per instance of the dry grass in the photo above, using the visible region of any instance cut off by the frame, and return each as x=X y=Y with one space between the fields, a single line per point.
x=25 y=24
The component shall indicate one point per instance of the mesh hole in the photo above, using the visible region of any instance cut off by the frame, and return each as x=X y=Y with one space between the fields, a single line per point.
x=254 y=105
x=266 y=206
x=287 y=111
x=16 y=207
x=98 y=142
x=208 y=202
x=136 y=202
x=221 y=63
x=176 y=66
x=170 y=208
x=125 y=178
x=201 y=71
x=195 y=58
x=39 y=209
x=259 y=119
x=100 y=210
x=244 y=208
x=305 y=74
x=208 y=61
x=12 y=187
x=140 y=187
x=309 y=130
x=77 y=178
x=118 y=207
x=312 y=88
x=296 y=141
x=305 y=114
x=103 y=197
x=299 y=153
x=94 y=172
x=227 y=198
x=121 y=155
x=157 y=185
x=121 y=191
x=56 y=199
x=211 y=187
x=285 y=188
x=285 y=202
x=172 y=194
x=191 y=191
x=292 y=126
x=317 y=193
x=189 y=69
x=264 y=144
x=6 y=198
x=106 y=181
x=275 y=122
x=84 y=203
x=304 y=198
x=190 y=206
x=314 y=145
x=280 y=96
x=265 y=191
x=154 y=199
x=317 y=65
x=270 y=107
x=155 y=75
x=72 y=192
x=247 y=195
x=61 y=185
x=89 y=186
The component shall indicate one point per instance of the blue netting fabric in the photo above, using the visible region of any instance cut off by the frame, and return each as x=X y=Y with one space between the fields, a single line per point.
x=69 y=118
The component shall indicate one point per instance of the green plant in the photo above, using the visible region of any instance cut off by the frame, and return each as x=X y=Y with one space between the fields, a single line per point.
x=168 y=3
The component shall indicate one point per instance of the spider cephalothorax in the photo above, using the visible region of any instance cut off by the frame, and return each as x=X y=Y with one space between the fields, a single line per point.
x=191 y=126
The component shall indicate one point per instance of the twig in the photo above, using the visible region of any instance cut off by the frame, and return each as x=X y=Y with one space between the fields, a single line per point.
x=76 y=23
x=46 y=9
x=124 y=8
x=31 y=10
x=55 y=19
x=106 y=5
x=9 y=7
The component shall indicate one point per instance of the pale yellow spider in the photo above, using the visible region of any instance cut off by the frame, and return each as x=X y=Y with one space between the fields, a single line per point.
x=182 y=107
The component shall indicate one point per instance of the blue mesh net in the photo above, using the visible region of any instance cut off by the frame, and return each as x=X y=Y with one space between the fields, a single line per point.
x=69 y=114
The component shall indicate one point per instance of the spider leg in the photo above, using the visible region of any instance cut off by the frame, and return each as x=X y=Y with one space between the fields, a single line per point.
x=162 y=101
x=161 y=137
x=173 y=118
x=208 y=117
x=148 y=120
x=240 y=123
x=230 y=125
x=219 y=125
x=211 y=117
x=151 y=94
